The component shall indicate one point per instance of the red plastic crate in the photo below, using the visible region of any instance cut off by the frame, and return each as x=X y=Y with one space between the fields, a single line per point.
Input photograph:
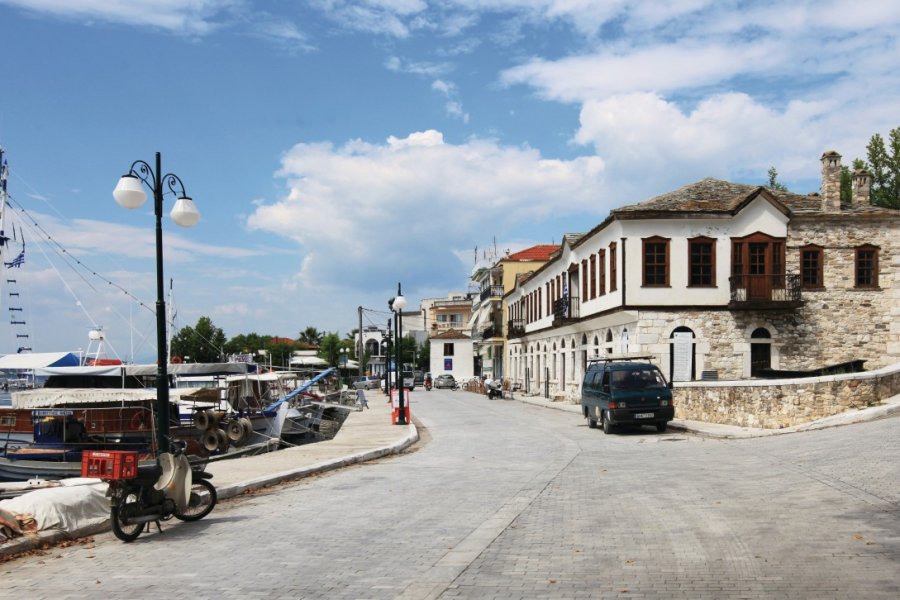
x=109 y=464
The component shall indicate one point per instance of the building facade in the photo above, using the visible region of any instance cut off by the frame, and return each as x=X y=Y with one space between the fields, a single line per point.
x=452 y=352
x=716 y=280
x=489 y=310
x=443 y=314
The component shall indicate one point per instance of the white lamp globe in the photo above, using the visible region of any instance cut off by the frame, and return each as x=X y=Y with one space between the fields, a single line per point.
x=185 y=212
x=129 y=192
x=399 y=303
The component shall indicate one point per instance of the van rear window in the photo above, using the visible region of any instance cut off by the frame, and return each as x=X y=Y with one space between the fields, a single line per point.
x=638 y=379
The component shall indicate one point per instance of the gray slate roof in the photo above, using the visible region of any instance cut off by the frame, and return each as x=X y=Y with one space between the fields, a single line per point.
x=717 y=196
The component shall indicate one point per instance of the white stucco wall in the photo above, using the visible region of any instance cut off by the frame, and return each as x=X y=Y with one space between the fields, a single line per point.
x=463 y=358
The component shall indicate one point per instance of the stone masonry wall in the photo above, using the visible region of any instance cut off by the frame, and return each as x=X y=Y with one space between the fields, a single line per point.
x=777 y=404
x=842 y=322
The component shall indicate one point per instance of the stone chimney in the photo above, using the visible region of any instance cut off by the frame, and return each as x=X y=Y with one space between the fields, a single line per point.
x=831 y=182
x=861 y=188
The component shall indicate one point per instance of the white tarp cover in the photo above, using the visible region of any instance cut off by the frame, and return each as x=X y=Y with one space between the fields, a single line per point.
x=193 y=369
x=110 y=371
x=50 y=397
x=46 y=397
x=277 y=376
x=309 y=361
x=76 y=504
x=37 y=360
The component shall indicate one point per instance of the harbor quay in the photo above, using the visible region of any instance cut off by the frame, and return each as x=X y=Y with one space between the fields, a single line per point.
x=521 y=499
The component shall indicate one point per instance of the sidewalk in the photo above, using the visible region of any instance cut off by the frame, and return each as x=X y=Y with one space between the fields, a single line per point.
x=364 y=436
x=715 y=430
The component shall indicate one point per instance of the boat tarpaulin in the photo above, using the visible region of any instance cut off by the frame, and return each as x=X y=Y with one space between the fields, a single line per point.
x=193 y=369
x=38 y=360
x=47 y=397
x=112 y=370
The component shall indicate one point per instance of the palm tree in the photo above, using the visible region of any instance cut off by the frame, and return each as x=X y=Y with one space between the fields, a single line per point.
x=311 y=335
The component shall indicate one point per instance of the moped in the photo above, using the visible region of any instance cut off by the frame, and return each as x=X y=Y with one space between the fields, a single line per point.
x=169 y=488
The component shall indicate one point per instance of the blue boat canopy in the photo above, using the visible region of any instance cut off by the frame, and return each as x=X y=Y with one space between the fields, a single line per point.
x=38 y=360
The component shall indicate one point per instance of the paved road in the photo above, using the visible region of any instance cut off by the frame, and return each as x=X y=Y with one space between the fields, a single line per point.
x=507 y=500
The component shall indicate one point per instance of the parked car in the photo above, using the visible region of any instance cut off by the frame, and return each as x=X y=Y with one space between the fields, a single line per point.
x=409 y=380
x=626 y=392
x=365 y=382
x=445 y=380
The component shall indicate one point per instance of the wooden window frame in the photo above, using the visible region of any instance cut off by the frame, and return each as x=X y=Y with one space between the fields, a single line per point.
x=648 y=244
x=819 y=253
x=601 y=276
x=613 y=270
x=593 y=262
x=858 y=267
x=451 y=347
x=584 y=278
x=700 y=241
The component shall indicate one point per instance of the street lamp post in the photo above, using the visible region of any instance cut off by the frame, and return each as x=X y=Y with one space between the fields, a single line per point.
x=129 y=193
x=386 y=344
x=397 y=306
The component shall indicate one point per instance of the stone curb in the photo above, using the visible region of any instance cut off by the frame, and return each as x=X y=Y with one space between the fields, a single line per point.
x=31 y=542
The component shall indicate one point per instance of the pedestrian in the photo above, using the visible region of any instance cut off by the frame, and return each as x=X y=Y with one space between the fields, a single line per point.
x=361 y=401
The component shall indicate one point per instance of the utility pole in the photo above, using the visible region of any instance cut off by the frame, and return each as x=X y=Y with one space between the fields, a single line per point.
x=360 y=356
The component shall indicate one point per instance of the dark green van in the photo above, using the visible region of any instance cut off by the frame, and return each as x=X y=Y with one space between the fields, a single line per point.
x=626 y=392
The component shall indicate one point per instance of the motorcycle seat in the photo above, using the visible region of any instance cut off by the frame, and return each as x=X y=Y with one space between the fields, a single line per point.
x=149 y=473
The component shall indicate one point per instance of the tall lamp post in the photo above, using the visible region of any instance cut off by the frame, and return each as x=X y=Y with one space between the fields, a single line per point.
x=130 y=193
x=397 y=305
x=386 y=345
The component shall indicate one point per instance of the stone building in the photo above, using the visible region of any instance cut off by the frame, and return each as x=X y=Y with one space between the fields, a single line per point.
x=716 y=280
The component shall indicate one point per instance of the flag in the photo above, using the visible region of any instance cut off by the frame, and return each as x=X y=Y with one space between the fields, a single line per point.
x=17 y=261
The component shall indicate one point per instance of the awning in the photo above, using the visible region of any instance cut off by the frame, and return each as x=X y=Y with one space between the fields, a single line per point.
x=309 y=361
x=38 y=360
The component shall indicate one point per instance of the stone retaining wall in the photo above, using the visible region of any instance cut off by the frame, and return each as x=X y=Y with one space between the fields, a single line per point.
x=778 y=403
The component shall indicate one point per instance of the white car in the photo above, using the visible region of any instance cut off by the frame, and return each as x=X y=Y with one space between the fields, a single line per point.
x=366 y=382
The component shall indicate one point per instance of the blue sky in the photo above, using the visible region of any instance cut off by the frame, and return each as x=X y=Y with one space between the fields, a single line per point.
x=336 y=147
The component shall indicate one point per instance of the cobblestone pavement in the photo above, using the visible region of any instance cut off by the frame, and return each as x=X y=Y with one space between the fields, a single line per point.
x=507 y=500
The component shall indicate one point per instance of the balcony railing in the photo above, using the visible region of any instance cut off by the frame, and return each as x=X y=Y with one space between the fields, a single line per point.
x=566 y=308
x=765 y=291
x=493 y=330
x=492 y=291
x=452 y=303
x=515 y=328
x=445 y=325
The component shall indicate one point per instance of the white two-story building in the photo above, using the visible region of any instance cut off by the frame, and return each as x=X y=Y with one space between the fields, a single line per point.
x=716 y=280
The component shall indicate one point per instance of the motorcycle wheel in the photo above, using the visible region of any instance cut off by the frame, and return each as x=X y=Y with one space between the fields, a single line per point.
x=203 y=500
x=122 y=527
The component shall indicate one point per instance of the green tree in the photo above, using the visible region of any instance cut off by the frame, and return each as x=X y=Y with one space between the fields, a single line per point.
x=884 y=167
x=311 y=335
x=249 y=343
x=773 y=183
x=425 y=356
x=202 y=343
x=409 y=351
x=330 y=348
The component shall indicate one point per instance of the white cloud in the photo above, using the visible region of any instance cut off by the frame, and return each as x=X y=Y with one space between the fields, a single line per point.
x=182 y=16
x=429 y=69
x=661 y=68
x=343 y=203
x=454 y=105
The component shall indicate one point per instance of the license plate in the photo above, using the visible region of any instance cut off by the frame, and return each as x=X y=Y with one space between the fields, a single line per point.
x=643 y=416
